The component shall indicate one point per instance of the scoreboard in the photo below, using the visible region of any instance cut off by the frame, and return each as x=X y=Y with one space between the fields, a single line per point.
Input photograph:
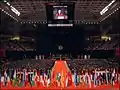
x=60 y=15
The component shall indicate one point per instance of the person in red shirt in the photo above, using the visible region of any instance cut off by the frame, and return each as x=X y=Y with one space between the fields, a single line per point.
x=60 y=15
x=69 y=78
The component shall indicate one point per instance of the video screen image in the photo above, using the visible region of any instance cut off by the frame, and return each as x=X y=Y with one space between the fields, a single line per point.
x=60 y=12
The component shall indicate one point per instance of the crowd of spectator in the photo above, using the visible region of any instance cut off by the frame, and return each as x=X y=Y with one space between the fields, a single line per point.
x=78 y=64
x=103 y=45
x=18 y=46
x=91 y=64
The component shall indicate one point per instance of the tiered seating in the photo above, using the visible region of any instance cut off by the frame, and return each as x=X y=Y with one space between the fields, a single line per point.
x=72 y=64
x=103 y=45
x=31 y=63
x=91 y=64
x=18 y=46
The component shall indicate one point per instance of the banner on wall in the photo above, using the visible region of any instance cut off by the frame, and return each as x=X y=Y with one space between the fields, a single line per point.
x=2 y=52
x=118 y=52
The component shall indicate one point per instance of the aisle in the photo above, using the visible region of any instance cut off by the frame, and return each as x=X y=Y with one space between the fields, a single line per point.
x=62 y=68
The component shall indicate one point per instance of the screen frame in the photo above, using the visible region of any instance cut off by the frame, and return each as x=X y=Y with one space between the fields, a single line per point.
x=60 y=22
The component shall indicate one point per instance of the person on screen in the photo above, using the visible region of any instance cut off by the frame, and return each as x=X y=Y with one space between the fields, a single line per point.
x=60 y=15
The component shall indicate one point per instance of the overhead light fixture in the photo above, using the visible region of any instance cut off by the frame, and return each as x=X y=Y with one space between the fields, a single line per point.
x=12 y=8
x=110 y=14
x=8 y=3
x=15 y=10
x=15 y=38
x=5 y=1
x=2 y=9
x=106 y=8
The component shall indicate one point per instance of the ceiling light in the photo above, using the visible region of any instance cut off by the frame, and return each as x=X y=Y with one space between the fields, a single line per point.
x=5 y=1
x=15 y=10
x=12 y=8
x=106 y=8
x=8 y=3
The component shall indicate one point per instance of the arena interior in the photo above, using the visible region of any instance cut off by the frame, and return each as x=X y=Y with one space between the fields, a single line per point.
x=60 y=44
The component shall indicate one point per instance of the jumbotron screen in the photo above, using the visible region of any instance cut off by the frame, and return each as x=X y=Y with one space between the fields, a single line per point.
x=60 y=12
x=60 y=15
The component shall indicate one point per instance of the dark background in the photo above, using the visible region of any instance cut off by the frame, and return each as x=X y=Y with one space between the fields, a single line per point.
x=71 y=38
x=49 y=38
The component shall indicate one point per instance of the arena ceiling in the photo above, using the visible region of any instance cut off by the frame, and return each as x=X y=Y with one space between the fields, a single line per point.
x=34 y=11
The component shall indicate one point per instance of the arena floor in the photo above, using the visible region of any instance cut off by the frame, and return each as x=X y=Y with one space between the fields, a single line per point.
x=77 y=88
x=61 y=65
